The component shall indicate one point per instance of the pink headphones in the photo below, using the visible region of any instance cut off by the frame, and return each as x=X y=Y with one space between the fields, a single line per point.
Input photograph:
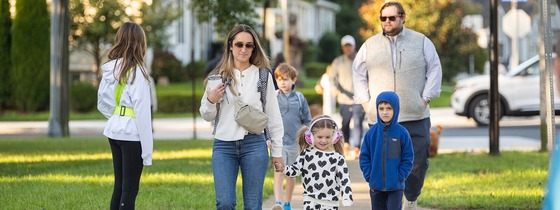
x=336 y=134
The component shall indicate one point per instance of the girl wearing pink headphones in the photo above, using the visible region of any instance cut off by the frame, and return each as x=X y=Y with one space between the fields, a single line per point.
x=322 y=166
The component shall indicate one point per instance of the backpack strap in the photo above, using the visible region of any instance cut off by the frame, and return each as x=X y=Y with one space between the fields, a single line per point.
x=262 y=88
x=300 y=106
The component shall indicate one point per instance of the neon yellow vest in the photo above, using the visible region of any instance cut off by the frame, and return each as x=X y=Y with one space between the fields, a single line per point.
x=122 y=110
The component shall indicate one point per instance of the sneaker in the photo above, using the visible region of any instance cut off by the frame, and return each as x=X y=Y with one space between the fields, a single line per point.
x=287 y=206
x=409 y=205
x=277 y=206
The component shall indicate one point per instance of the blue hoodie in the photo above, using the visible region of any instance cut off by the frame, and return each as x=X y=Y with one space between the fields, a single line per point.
x=386 y=155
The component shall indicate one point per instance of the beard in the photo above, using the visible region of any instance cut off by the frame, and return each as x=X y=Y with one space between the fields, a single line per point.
x=392 y=31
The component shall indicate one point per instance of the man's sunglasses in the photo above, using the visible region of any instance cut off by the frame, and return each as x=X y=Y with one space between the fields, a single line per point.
x=391 y=18
x=247 y=45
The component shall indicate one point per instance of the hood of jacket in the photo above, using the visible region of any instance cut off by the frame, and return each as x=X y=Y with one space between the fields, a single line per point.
x=391 y=98
x=109 y=69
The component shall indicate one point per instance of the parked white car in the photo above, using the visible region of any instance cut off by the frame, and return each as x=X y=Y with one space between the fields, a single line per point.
x=519 y=94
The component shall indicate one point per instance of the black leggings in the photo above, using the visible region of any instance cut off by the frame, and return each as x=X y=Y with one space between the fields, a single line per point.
x=127 y=165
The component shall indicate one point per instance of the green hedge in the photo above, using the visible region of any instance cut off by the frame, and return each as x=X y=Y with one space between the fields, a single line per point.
x=83 y=97
x=165 y=64
x=5 y=44
x=315 y=69
x=180 y=103
x=329 y=46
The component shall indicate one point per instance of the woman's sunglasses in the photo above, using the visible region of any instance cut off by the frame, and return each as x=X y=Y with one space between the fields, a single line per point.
x=391 y=18
x=247 y=45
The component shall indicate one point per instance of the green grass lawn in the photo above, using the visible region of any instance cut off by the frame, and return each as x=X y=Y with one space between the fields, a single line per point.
x=512 y=180
x=76 y=173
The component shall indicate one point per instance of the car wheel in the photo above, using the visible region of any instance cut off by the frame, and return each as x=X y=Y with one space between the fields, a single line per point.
x=479 y=110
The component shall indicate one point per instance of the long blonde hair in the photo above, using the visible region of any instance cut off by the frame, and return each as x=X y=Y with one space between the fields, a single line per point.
x=226 y=64
x=130 y=46
x=320 y=122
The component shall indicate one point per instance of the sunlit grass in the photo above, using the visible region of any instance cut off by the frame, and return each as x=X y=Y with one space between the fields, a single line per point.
x=53 y=158
x=53 y=173
x=77 y=174
x=513 y=180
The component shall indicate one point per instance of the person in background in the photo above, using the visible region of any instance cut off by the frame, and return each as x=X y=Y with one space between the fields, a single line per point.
x=386 y=157
x=124 y=98
x=342 y=85
x=406 y=62
x=295 y=113
x=234 y=148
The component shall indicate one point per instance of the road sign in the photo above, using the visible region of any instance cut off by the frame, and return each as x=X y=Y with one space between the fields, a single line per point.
x=516 y=20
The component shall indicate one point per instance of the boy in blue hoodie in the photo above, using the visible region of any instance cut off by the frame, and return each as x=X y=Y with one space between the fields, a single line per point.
x=386 y=155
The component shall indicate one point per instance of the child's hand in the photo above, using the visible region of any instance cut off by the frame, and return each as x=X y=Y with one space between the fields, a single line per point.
x=278 y=164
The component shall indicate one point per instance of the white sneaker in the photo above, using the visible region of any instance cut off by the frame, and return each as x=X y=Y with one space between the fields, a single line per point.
x=409 y=205
x=277 y=206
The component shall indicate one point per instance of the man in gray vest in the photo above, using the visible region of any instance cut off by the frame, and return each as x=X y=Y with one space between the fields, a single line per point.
x=404 y=61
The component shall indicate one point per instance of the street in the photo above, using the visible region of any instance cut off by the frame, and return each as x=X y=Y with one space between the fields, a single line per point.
x=459 y=133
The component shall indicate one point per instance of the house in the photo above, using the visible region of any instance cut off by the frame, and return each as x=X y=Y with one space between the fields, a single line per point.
x=191 y=40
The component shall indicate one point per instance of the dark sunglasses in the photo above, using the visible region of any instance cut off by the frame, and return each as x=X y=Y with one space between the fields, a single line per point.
x=247 y=45
x=391 y=18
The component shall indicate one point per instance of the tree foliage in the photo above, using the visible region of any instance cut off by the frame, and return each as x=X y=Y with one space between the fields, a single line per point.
x=440 y=21
x=93 y=25
x=329 y=45
x=226 y=13
x=5 y=43
x=30 y=49
x=155 y=20
x=348 y=21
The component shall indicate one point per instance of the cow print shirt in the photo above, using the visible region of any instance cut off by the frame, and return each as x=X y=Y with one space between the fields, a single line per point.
x=324 y=174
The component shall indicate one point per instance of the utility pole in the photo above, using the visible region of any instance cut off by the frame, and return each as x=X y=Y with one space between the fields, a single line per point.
x=545 y=74
x=58 y=121
x=493 y=94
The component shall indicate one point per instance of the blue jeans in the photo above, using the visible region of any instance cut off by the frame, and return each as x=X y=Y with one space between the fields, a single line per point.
x=249 y=154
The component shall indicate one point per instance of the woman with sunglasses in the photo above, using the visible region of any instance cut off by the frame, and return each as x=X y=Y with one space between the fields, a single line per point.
x=406 y=62
x=234 y=147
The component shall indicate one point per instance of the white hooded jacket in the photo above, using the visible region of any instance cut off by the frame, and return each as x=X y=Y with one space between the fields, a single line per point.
x=135 y=95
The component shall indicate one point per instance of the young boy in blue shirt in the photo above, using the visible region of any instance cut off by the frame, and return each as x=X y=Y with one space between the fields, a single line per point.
x=386 y=155
x=295 y=113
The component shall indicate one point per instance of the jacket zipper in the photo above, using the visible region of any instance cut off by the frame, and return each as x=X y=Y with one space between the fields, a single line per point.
x=384 y=151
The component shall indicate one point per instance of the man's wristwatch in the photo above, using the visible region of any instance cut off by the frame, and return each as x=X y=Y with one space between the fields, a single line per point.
x=427 y=100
